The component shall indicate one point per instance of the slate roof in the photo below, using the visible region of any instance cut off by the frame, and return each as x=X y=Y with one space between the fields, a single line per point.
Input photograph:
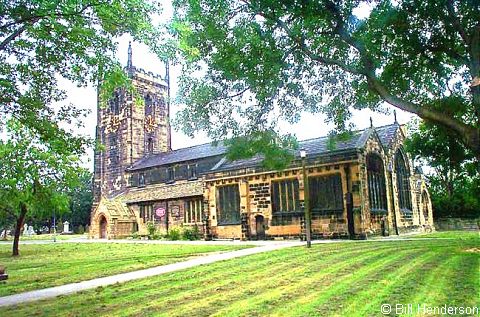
x=180 y=155
x=387 y=133
x=164 y=191
x=314 y=147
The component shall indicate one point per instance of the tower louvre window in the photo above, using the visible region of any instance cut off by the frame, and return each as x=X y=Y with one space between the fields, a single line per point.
x=150 y=145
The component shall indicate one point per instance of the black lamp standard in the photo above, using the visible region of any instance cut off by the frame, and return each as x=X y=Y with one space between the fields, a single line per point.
x=308 y=221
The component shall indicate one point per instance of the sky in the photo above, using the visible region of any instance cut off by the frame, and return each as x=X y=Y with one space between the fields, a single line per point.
x=309 y=126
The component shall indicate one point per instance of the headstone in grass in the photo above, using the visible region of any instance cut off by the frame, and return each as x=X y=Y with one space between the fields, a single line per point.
x=3 y=276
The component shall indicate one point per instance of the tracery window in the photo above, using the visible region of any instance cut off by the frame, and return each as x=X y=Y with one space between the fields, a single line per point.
x=285 y=201
x=193 y=211
x=425 y=202
x=376 y=183
x=326 y=194
x=403 y=182
x=146 y=213
x=285 y=196
x=228 y=205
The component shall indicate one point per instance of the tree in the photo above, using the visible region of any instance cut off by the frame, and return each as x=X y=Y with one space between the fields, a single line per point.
x=35 y=176
x=454 y=181
x=81 y=200
x=261 y=60
x=43 y=40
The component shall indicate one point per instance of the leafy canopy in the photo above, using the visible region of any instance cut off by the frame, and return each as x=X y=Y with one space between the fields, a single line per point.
x=248 y=63
x=35 y=175
x=454 y=181
x=42 y=41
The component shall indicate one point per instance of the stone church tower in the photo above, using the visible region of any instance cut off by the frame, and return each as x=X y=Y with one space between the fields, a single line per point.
x=129 y=130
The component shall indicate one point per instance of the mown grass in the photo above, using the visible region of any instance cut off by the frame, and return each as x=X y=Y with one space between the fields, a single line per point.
x=47 y=237
x=45 y=265
x=340 y=279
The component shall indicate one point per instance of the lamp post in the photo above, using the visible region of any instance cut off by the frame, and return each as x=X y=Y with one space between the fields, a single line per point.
x=54 y=228
x=306 y=194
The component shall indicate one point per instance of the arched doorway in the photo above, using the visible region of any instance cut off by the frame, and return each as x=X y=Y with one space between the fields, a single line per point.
x=260 y=227
x=103 y=227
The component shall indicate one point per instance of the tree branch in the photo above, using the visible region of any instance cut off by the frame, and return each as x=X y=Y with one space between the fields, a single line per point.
x=12 y=37
x=456 y=22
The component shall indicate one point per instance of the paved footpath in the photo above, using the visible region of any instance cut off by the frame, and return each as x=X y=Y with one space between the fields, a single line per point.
x=124 y=277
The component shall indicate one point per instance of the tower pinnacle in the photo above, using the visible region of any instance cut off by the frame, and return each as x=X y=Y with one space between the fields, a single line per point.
x=129 y=62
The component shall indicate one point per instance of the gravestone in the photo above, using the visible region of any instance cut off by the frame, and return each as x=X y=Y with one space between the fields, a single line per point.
x=31 y=232
x=25 y=229
x=66 y=227
x=3 y=276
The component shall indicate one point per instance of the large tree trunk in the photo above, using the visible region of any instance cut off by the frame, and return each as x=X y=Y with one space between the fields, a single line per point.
x=18 y=228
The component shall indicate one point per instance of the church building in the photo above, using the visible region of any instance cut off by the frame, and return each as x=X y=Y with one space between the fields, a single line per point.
x=363 y=186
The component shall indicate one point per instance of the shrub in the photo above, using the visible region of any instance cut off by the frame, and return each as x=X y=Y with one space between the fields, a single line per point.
x=191 y=233
x=80 y=229
x=135 y=235
x=156 y=236
x=174 y=234
x=151 y=229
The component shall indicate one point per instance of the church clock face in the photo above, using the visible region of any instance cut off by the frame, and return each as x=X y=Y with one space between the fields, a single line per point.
x=113 y=124
x=150 y=123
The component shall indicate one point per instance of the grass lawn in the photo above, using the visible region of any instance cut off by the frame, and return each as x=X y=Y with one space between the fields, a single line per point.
x=45 y=265
x=340 y=279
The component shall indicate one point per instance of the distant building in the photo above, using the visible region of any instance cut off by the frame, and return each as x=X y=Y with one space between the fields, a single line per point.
x=363 y=186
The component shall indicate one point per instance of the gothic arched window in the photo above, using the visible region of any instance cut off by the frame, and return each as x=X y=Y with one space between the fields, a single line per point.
x=150 y=145
x=115 y=104
x=377 y=192
x=149 y=106
x=425 y=202
x=403 y=182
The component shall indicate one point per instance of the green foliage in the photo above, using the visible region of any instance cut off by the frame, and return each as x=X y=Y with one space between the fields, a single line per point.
x=454 y=179
x=275 y=150
x=43 y=41
x=249 y=64
x=36 y=176
x=174 y=234
x=80 y=229
x=81 y=199
x=190 y=233
x=151 y=229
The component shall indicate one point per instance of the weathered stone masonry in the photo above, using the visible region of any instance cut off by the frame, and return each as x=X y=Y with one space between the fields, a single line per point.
x=365 y=185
